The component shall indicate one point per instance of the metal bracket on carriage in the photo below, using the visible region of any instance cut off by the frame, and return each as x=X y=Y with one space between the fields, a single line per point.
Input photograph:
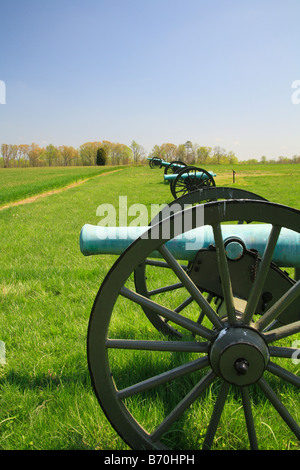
x=203 y=271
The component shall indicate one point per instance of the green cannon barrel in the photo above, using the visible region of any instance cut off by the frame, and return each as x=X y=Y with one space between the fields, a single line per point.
x=175 y=165
x=96 y=239
x=198 y=174
x=165 y=164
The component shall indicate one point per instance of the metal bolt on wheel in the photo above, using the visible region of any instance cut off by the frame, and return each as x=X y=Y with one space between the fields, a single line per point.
x=152 y=388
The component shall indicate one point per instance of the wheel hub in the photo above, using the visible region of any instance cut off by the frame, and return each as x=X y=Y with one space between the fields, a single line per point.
x=239 y=355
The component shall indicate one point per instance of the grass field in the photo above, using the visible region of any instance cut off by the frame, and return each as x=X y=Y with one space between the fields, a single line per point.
x=17 y=183
x=47 y=289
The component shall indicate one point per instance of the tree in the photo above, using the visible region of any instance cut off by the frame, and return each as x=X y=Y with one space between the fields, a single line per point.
x=181 y=152
x=23 y=154
x=232 y=158
x=34 y=154
x=282 y=159
x=51 y=155
x=88 y=152
x=101 y=156
x=219 y=154
x=6 y=154
x=157 y=152
x=67 y=154
x=168 y=151
x=296 y=159
x=203 y=154
x=138 y=151
x=120 y=154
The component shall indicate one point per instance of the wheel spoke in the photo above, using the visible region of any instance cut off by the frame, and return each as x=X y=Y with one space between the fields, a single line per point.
x=282 y=332
x=202 y=314
x=160 y=379
x=169 y=288
x=224 y=273
x=283 y=374
x=167 y=313
x=216 y=415
x=184 y=304
x=278 y=307
x=192 y=289
x=261 y=275
x=279 y=407
x=249 y=418
x=181 y=191
x=161 y=264
x=143 y=345
x=288 y=353
x=183 y=405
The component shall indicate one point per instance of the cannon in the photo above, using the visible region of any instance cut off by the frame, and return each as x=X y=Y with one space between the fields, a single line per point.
x=189 y=179
x=155 y=162
x=220 y=289
x=169 y=167
x=174 y=167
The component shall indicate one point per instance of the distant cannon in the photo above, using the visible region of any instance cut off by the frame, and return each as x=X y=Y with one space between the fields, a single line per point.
x=155 y=162
x=173 y=167
x=221 y=319
x=169 y=167
x=189 y=179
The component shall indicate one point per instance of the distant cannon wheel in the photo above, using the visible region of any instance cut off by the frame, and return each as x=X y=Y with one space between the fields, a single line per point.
x=174 y=167
x=155 y=162
x=190 y=179
x=172 y=394
x=148 y=275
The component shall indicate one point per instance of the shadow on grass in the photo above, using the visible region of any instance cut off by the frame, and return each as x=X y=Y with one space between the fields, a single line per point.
x=49 y=380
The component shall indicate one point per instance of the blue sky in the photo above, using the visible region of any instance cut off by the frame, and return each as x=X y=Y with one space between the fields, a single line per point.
x=216 y=72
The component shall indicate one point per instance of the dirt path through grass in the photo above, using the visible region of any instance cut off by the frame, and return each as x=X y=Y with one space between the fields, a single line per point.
x=31 y=199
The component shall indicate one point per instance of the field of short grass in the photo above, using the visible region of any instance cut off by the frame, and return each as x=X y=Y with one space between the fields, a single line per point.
x=47 y=289
x=19 y=183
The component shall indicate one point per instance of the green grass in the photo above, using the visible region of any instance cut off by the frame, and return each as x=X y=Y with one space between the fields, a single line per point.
x=20 y=183
x=47 y=289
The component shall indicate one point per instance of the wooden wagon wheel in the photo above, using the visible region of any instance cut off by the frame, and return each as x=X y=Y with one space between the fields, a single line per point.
x=190 y=179
x=143 y=273
x=136 y=378
x=155 y=162
x=174 y=167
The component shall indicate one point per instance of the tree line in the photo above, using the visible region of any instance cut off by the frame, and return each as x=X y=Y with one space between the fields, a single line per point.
x=86 y=155
x=110 y=153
